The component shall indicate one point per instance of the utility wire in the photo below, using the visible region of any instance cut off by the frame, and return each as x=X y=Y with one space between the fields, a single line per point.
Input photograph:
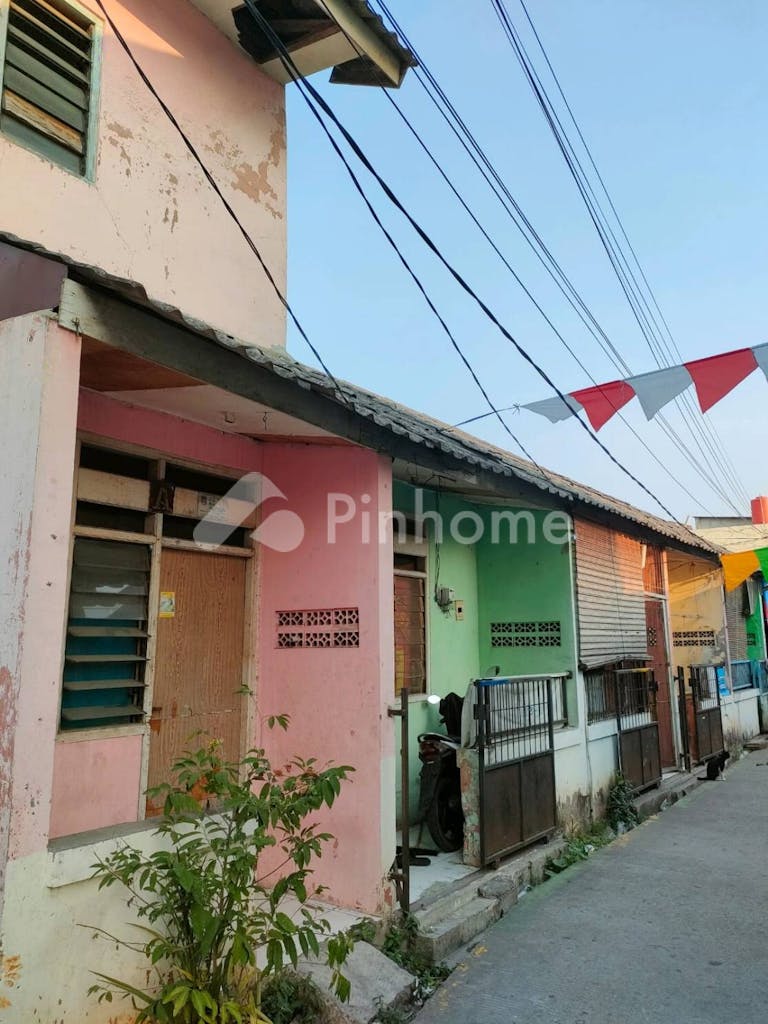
x=310 y=94
x=704 y=422
x=620 y=263
x=462 y=201
x=509 y=204
x=624 y=274
x=225 y=202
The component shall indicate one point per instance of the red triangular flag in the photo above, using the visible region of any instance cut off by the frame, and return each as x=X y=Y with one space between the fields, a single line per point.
x=603 y=400
x=715 y=376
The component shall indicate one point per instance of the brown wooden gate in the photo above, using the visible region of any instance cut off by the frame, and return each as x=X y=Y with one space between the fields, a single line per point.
x=516 y=717
x=702 y=713
x=639 y=751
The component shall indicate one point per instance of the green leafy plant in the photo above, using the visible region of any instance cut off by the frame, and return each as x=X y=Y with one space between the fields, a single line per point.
x=205 y=908
x=620 y=811
x=290 y=998
x=401 y=945
x=389 y=1014
x=578 y=847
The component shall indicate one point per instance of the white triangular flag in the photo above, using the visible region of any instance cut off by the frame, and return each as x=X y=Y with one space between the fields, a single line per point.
x=655 y=390
x=760 y=352
x=556 y=409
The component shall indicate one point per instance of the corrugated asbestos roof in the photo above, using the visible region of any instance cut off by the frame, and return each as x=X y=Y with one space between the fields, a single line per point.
x=400 y=420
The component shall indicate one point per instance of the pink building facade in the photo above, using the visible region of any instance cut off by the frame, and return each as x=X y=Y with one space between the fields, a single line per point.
x=111 y=193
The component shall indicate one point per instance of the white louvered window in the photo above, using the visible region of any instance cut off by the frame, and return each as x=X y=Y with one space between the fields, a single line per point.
x=48 y=79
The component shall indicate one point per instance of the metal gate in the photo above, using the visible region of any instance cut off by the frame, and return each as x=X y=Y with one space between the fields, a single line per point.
x=516 y=719
x=637 y=718
x=701 y=714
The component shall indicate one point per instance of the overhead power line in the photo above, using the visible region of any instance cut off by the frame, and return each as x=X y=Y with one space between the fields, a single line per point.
x=225 y=202
x=707 y=439
x=494 y=246
x=458 y=127
x=317 y=103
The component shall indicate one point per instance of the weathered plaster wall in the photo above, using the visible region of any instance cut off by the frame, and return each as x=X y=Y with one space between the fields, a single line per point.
x=150 y=216
x=45 y=550
x=528 y=580
x=96 y=783
x=337 y=698
x=695 y=604
x=22 y=354
x=741 y=719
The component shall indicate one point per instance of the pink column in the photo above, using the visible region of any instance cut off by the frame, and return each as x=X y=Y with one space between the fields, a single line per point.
x=42 y=365
x=337 y=697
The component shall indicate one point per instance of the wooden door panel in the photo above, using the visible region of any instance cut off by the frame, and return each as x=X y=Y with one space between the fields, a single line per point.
x=198 y=659
x=657 y=648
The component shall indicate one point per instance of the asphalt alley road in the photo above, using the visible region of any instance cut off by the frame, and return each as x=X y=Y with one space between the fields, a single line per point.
x=667 y=925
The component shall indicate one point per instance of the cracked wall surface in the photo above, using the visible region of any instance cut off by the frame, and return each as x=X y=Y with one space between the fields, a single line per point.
x=150 y=215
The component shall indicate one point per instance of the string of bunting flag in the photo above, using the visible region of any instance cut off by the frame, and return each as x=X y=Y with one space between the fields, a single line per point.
x=713 y=377
x=740 y=565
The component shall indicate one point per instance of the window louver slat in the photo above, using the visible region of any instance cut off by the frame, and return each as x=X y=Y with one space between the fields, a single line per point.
x=46 y=79
x=106 y=651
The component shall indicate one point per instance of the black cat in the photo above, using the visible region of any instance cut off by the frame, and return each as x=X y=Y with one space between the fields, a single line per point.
x=716 y=766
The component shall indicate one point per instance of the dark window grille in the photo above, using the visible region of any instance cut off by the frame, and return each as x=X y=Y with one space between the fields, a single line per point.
x=746 y=675
x=520 y=714
x=621 y=687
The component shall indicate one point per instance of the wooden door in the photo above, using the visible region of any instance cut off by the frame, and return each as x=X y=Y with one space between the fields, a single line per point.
x=657 y=649
x=198 y=675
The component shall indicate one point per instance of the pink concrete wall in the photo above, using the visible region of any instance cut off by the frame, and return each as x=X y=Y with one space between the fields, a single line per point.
x=95 y=783
x=150 y=215
x=99 y=414
x=44 y=610
x=114 y=764
x=337 y=698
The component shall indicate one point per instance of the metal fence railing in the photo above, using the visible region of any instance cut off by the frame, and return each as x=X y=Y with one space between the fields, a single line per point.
x=746 y=675
x=517 y=715
x=624 y=689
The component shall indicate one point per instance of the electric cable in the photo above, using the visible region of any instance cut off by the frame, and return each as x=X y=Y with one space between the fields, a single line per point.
x=447 y=111
x=310 y=94
x=457 y=194
x=225 y=202
x=620 y=263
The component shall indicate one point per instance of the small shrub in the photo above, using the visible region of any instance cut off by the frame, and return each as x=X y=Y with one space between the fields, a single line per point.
x=290 y=998
x=401 y=946
x=205 y=908
x=620 y=811
x=578 y=847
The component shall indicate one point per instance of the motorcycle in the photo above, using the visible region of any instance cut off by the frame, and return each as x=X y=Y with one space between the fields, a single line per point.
x=440 y=785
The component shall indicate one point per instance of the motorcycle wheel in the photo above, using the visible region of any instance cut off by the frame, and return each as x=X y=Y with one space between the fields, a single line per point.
x=445 y=818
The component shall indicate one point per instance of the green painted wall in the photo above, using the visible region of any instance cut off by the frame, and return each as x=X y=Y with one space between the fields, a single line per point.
x=525 y=582
x=452 y=645
x=496 y=582
x=755 y=625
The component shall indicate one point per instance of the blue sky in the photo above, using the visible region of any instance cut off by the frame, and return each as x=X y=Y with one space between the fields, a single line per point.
x=671 y=97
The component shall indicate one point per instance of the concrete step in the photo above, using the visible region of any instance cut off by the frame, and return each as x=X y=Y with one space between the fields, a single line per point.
x=757 y=743
x=455 y=918
x=449 y=903
x=443 y=936
x=672 y=789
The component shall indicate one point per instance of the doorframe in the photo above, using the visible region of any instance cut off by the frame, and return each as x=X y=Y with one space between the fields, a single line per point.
x=663 y=600
x=154 y=540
